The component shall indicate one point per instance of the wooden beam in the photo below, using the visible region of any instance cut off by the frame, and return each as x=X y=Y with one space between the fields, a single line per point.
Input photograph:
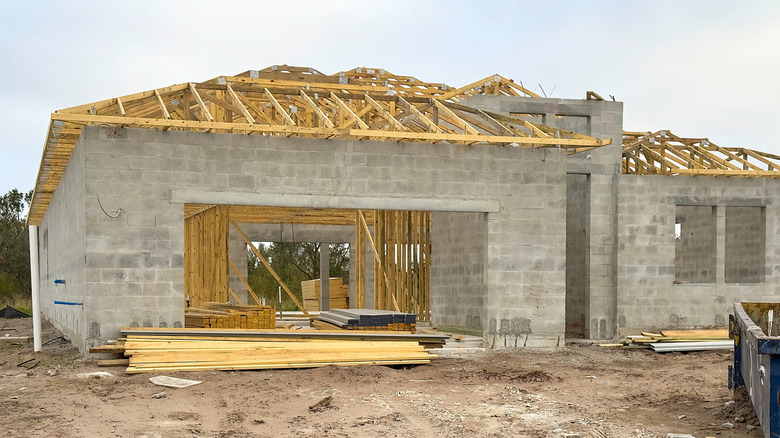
x=394 y=123
x=433 y=127
x=282 y=112
x=323 y=118
x=243 y=280
x=245 y=112
x=376 y=255
x=120 y=107
x=204 y=109
x=344 y=107
x=235 y=297
x=270 y=269
x=455 y=119
x=163 y=109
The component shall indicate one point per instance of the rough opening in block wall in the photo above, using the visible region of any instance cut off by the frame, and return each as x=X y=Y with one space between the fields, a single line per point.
x=694 y=255
x=393 y=244
x=573 y=123
x=745 y=244
x=578 y=193
x=299 y=266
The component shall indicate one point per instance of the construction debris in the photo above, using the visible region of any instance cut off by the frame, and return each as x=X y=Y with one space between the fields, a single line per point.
x=678 y=340
x=173 y=382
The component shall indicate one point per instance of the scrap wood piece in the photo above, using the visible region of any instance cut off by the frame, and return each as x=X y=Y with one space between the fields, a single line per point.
x=116 y=348
x=113 y=362
x=14 y=338
x=324 y=325
x=173 y=382
x=702 y=333
x=436 y=332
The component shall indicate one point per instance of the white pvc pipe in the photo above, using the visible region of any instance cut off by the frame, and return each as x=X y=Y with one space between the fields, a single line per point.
x=36 y=304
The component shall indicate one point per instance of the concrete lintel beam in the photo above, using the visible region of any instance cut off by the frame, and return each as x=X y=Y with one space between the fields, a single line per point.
x=321 y=201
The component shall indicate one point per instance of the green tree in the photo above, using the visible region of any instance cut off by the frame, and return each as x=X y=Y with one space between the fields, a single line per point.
x=294 y=262
x=14 y=246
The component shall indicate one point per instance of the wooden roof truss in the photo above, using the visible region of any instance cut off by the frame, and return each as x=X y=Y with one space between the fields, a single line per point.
x=663 y=153
x=361 y=103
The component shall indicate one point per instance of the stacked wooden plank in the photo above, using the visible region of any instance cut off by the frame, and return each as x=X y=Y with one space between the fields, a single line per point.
x=678 y=340
x=368 y=319
x=339 y=294
x=226 y=315
x=156 y=350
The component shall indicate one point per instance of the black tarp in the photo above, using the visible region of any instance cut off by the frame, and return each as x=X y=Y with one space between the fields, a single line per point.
x=10 y=312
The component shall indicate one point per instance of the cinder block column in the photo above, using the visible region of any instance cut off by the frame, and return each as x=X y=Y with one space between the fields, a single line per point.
x=237 y=251
x=720 y=245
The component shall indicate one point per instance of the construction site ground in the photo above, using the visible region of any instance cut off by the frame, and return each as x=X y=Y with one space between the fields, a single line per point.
x=584 y=389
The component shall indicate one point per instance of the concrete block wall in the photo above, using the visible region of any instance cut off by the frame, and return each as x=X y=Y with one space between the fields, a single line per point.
x=458 y=268
x=603 y=120
x=745 y=245
x=62 y=253
x=136 y=260
x=694 y=253
x=136 y=276
x=649 y=297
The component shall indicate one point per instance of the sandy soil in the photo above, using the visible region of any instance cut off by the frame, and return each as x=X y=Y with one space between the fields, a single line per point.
x=589 y=390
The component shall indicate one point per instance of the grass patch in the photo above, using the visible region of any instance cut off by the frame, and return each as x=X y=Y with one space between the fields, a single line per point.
x=23 y=304
x=460 y=330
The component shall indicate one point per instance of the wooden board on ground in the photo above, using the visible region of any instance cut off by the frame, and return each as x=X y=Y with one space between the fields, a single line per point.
x=175 y=353
x=693 y=334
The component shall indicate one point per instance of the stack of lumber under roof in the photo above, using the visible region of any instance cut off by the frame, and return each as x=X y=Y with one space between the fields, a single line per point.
x=166 y=349
x=366 y=319
x=678 y=340
x=338 y=292
x=226 y=315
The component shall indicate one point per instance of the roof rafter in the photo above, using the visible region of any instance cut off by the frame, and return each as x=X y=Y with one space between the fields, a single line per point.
x=362 y=103
x=664 y=153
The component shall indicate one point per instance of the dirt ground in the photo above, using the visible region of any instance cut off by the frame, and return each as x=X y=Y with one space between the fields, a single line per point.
x=588 y=390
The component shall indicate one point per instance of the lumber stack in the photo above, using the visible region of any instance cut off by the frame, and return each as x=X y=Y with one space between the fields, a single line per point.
x=678 y=340
x=156 y=350
x=339 y=294
x=367 y=320
x=226 y=315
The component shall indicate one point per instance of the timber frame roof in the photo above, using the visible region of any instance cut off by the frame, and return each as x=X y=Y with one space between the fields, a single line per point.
x=362 y=103
x=663 y=153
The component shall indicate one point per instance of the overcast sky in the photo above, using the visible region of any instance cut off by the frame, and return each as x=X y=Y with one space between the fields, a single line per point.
x=699 y=68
